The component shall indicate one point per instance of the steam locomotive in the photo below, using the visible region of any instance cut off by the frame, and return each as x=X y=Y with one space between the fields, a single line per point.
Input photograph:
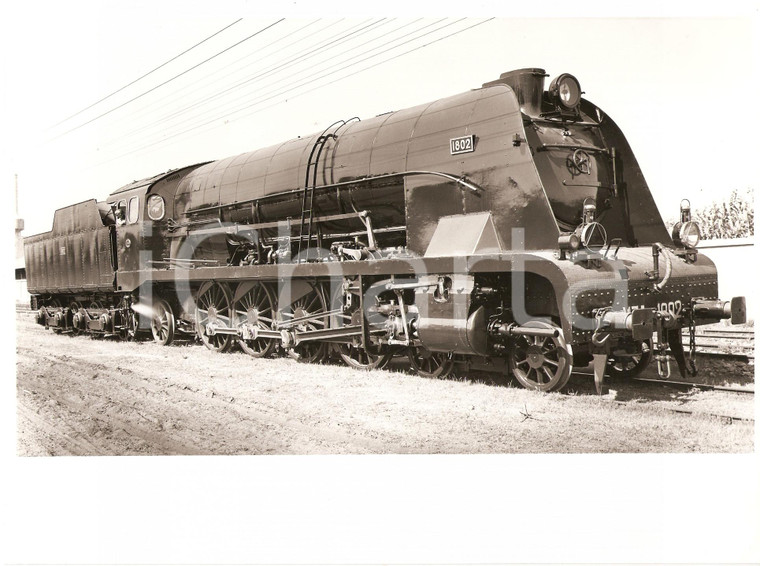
x=507 y=229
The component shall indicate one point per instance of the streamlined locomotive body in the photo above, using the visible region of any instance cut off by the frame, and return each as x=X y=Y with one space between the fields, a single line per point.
x=508 y=228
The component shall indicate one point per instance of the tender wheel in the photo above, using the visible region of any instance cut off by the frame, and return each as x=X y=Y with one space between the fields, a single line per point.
x=253 y=306
x=627 y=364
x=543 y=364
x=376 y=355
x=76 y=321
x=303 y=300
x=162 y=323
x=93 y=306
x=431 y=364
x=213 y=309
x=54 y=304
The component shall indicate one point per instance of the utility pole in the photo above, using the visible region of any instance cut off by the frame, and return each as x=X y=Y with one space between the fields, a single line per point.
x=21 y=293
x=19 y=221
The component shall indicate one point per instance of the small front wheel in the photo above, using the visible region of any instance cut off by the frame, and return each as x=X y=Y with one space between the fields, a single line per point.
x=630 y=364
x=539 y=362
x=427 y=363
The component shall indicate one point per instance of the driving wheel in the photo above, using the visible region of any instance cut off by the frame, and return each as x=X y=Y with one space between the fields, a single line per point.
x=253 y=307
x=375 y=354
x=212 y=311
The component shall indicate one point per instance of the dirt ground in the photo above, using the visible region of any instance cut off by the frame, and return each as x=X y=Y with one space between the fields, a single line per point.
x=89 y=396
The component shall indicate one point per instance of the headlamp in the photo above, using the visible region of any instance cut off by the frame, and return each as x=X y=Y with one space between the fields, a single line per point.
x=593 y=236
x=686 y=234
x=568 y=242
x=565 y=90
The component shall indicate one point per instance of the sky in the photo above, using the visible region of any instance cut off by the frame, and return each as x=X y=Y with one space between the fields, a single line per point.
x=85 y=114
x=680 y=82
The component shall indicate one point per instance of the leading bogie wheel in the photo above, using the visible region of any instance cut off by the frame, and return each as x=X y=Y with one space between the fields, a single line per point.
x=541 y=363
x=213 y=309
x=630 y=364
x=427 y=363
x=162 y=322
x=253 y=308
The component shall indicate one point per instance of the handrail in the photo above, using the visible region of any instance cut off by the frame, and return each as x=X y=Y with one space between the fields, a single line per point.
x=459 y=180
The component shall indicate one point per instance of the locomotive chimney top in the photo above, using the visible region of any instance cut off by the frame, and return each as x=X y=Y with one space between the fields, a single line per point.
x=528 y=85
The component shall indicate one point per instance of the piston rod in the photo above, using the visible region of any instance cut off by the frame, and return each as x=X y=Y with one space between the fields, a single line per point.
x=513 y=329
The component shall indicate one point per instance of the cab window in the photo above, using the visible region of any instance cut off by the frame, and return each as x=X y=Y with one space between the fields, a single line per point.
x=134 y=210
x=120 y=212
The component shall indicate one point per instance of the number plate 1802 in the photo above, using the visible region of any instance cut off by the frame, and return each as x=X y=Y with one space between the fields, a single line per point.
x=464 y=144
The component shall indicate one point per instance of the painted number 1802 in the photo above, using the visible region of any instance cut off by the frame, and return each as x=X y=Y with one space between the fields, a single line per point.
x=672 y=307
x=462 y=145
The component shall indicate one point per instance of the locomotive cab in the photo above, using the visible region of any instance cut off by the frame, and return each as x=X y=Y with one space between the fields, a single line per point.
x=142 y=211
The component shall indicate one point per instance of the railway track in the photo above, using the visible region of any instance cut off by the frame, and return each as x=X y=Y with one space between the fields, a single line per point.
x=692 y=385
x=728 y=418
x=724 y=341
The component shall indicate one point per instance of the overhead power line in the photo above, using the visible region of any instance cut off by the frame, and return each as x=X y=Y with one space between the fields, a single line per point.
x=169 y=80
x=209 y=122
x=146 y=74
x=170 y=99
x=301 y=56
x=288 y=61
x=320 y=73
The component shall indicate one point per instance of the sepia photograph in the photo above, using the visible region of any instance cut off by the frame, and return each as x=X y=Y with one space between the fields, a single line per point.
x=425 y=284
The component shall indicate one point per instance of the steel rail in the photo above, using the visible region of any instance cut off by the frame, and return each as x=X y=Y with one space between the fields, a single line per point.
x=730 y=418
x=677 y=383
x=703 y=386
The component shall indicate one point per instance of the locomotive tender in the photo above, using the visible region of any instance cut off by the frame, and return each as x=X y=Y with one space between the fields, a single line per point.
x=508 y=228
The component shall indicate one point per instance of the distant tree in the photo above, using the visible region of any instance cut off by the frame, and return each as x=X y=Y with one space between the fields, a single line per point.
x=732 y=218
